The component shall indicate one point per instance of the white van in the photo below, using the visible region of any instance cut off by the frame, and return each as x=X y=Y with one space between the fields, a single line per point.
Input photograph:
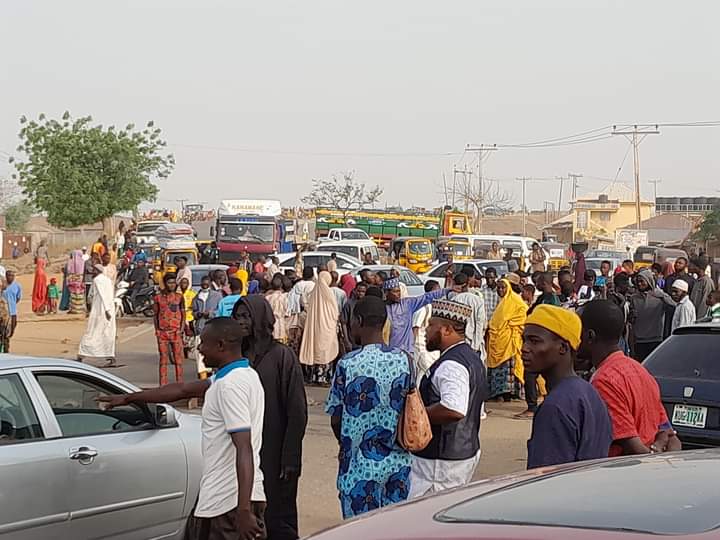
x=353 y=248
x=521 y=245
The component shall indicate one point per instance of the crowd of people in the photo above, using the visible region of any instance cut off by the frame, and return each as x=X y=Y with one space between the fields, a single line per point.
x=259 y=336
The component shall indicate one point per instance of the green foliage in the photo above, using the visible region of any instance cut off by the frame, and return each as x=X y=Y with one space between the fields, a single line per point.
x=17 y=216
x=342 y=194
x=709 y=229
x=81 y=174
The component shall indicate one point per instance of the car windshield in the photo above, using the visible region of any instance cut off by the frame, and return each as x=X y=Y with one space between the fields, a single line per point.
x=419 y=248
x=348 y=263
x=459 y=250
x=148 y=228
x=687 y=356
x=247 y=232
x=593 y=264
x=190 y=256
x=347 y=250
x=644 y=254
x=624 y=495
x=408 y=278
x=354 y=235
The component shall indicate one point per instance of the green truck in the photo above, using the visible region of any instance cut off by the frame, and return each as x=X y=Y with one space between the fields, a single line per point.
x=383 y=226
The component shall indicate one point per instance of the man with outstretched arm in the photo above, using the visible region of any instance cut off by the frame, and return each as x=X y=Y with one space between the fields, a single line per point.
x=231 y=502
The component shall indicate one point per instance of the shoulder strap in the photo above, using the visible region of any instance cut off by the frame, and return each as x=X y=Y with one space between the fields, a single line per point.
x=413 y=375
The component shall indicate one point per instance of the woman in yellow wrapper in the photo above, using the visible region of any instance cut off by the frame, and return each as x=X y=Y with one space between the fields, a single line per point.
x=504 y=362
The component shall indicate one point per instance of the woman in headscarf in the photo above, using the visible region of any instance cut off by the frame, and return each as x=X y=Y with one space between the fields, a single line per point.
x=75 y=270
x=347 y=284
x=504 y=362
x=320 y=340
x=243 y=276
x=285 y=416
x=65 y=296
x=39 y=291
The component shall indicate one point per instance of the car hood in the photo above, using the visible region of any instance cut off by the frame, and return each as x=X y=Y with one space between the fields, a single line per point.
x=415 y=519
x=427 y=518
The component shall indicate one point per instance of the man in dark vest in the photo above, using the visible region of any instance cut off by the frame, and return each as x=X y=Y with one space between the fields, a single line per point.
x=453 y=391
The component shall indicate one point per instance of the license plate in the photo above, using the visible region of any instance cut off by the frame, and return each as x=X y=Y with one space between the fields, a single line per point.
x=689 y=415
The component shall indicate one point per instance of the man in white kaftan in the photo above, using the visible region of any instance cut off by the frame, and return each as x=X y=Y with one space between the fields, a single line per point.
x=99 y=338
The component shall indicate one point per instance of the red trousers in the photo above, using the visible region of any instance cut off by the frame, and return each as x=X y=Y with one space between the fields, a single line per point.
x=170 y=347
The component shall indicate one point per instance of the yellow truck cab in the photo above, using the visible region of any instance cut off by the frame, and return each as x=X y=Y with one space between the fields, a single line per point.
x=413 y=252
x=175 y=240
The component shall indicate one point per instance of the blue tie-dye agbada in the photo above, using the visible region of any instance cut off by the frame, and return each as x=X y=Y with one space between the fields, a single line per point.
x=368 y=392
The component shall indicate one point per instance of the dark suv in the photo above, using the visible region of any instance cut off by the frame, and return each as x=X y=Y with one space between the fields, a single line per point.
x=687 y=368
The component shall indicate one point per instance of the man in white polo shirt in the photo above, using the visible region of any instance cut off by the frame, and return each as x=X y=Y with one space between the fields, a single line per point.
x=231 y=502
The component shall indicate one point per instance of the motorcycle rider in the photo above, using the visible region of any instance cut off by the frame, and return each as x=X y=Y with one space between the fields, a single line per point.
x=138 y=279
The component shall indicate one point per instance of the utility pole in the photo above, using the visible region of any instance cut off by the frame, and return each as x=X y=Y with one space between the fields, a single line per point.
x=559 y=206
x=445 y=193
x=182 y=204
x=465 y=184
x=480 y=149
x=453 y=188
x=636 y=136
x=574 y=178
x=655 y=183
x=524 y=180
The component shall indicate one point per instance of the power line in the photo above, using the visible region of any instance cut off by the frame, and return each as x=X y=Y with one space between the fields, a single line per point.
x=303 y=153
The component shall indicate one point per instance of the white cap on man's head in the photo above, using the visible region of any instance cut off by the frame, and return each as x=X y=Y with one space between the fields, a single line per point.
x=680 y=285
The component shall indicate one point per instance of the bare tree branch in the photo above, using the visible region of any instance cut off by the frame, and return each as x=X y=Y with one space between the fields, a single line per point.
x=343 y=194
x=493 y=200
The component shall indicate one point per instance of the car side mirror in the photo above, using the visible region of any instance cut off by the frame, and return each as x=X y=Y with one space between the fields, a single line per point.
x=165 y=416
x=212 y=231
x=347 y=266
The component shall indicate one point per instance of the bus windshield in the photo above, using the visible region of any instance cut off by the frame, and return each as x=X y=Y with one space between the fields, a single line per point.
x=247 y=232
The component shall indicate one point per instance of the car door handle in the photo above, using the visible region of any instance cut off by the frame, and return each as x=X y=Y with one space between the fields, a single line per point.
x=83 y=453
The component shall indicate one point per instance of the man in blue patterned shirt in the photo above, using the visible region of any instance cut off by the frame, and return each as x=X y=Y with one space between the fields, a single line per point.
x=366 y=398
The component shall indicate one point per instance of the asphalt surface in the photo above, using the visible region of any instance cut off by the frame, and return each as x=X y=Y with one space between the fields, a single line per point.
x=503 y=437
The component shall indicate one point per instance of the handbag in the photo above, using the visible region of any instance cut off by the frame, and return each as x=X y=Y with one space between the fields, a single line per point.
x=414 y=432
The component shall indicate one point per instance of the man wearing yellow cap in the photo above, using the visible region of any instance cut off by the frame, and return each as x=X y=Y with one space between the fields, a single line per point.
x=572 y=424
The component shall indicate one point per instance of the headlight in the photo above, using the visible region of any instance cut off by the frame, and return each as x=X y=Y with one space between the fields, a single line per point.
x=412 y=261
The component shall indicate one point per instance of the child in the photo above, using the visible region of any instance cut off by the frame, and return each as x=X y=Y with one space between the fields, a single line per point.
x=53 y=294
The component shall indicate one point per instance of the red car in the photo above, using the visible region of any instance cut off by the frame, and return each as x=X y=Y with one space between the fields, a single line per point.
x=636 y=498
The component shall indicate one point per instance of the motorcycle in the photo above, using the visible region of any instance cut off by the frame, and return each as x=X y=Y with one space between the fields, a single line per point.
x=142 y=303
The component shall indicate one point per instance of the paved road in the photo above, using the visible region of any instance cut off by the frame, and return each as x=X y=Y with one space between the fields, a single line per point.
x=503 y=438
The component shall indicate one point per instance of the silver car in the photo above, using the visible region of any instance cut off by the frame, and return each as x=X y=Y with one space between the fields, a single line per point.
x=72 y=469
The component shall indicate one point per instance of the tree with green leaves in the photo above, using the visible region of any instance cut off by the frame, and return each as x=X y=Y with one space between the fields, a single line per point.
x=79 y=173
x=17 y=215
x=17 y=211
x=709 y=228
x=342 y=194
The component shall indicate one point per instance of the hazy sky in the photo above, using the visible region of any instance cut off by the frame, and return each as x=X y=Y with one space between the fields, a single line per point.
x=311 y=88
